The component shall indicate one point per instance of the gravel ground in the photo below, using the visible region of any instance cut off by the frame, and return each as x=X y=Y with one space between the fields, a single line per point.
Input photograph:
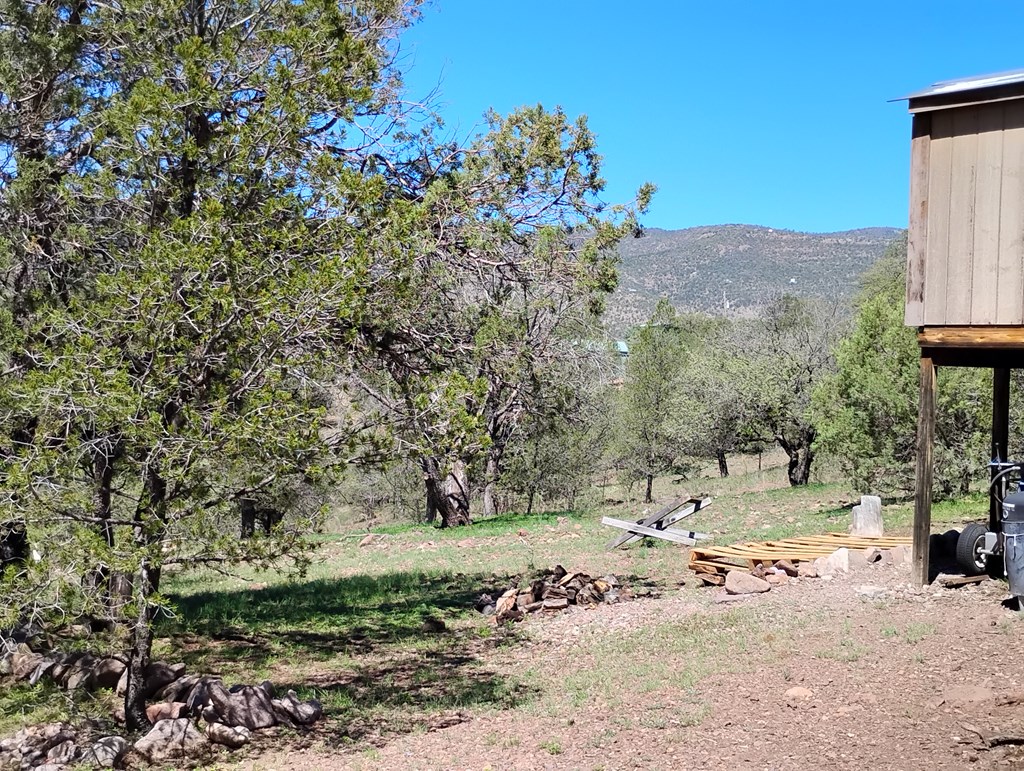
x=857 y=671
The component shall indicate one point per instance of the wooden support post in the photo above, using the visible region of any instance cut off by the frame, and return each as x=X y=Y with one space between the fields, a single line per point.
x=1000 y=436
x=923 y=485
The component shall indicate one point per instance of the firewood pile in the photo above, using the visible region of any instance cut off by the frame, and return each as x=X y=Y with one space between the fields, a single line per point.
x=555 y=590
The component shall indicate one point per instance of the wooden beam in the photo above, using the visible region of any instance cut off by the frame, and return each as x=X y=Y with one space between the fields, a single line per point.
x=982 y=336
x=923 y=485
x=917 y=235
x=693 y=505
x=689 y=538
x=1000 y=436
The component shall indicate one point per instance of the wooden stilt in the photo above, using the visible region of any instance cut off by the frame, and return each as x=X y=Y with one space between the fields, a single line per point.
x=923 y=497
x=1000 y=435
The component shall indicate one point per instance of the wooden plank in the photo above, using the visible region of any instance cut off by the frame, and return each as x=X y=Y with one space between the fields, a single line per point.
x=1010 y=289
x=923 y=482
x=971 y=337
x=962 y=216
x=699 y=504
x=917 y=236
x=987 y=211
x=952 y=582
x=692 y=506
x=940 y=161
x=647 y=522
x=668 y=535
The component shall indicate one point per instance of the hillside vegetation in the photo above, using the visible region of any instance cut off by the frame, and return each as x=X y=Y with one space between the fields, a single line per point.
x=734 y=270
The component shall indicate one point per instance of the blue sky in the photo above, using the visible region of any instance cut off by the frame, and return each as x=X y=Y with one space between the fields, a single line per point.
x=767 y=113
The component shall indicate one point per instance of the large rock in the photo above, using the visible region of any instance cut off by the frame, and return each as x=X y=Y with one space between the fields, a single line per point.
x=24 y=662
x=837 y=562
x=290 y=709
x=107 y=752
x=166 y=710
x=806 y=569
x=107 y=673
x=249 y=706
x=63 y=753
x=157 y=675
x=172 y=739
x=230 y=736
x=740 y=582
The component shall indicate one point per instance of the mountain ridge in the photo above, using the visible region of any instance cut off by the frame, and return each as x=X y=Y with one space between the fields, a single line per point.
x=735 y=269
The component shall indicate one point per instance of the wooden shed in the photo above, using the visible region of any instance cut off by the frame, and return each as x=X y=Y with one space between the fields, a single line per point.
x=965 y=254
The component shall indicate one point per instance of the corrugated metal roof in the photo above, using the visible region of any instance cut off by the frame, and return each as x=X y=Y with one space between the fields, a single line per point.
x=972 y=83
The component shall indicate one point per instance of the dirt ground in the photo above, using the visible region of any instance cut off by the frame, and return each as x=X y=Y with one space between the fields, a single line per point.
x=857 y=671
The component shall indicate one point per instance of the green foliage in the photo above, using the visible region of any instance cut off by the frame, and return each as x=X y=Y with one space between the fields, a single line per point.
x=646 y=443
x=868 y=409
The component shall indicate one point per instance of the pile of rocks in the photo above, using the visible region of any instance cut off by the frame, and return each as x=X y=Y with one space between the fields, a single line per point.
x=555 y=590
x=190 y=713
x=56 y=746
x=763 y=577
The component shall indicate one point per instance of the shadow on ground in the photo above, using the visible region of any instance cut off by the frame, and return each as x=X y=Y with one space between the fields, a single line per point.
x=376 y=650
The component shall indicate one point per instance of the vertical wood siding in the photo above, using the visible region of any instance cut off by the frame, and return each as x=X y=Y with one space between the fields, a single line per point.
x=965 y=252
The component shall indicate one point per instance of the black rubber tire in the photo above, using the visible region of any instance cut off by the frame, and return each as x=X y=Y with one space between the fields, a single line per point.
x=967 y=547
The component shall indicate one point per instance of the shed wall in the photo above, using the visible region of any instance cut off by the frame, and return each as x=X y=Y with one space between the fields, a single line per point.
x=965 y=255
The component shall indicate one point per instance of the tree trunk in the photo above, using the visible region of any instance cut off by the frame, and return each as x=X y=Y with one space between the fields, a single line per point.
x=456 y=487
x=529 y=501
x=247 y=516
x=150 y=516
x=138 y=656
x=648 y=498
x=801 y=456
x=723 y=464
x=448 y=495
x=490 y=485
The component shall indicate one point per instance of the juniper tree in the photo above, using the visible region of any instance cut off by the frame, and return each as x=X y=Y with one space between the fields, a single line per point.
x=190 y=214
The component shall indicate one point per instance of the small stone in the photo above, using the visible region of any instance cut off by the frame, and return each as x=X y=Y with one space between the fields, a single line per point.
x=230 y=736
x=522 y=532
x=166 y=710
x=806 y=570
x=171 y=739
x=740 y=582
x=465 y=543
x=872 y=554
x=798 y=693
x=871 y=592
x=777 y=579
x=788 y=568
x=556 y=603
x=900 y=555
x=290 y=709
x=367 y=540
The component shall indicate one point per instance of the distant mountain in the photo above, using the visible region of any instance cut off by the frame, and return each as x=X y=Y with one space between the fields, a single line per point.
x=734 y=270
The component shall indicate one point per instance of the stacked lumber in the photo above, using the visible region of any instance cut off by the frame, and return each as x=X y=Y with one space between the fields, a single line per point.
x=719 y=560
x=553 y=591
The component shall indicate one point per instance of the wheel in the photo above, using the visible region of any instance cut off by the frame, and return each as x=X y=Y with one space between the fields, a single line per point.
x=969 y=557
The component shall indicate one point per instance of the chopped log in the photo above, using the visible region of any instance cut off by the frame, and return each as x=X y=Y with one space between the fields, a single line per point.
x=506 y=602
x=556 y=603
x=567 y=578
x=556 y=591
